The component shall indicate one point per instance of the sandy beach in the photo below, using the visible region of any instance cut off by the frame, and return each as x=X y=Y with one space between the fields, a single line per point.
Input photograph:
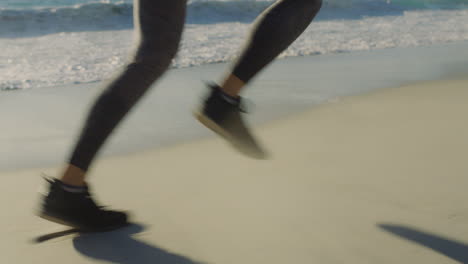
x=378 y=177
x=363 y=119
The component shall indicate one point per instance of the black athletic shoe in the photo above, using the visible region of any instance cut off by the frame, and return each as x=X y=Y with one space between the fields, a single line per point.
x=222 y=114
x=78 y=210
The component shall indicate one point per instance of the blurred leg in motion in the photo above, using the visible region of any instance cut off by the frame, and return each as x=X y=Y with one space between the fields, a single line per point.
x=274 y=30
x=159 y=24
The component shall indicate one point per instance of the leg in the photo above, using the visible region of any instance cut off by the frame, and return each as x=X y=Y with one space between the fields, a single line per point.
x=274 y=30
x=159 y=24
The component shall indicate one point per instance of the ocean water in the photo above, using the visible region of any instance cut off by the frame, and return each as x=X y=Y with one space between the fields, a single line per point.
x=60 y=42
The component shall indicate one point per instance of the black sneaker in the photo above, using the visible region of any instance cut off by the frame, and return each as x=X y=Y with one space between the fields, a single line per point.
x=222 y=114
x=78 y=210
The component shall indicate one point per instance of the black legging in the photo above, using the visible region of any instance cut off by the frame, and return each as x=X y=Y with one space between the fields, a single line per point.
x=160 y=25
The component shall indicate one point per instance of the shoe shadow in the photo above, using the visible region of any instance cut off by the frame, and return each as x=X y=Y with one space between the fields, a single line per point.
x=453 y=249
x=49 y=236
x=119 y=247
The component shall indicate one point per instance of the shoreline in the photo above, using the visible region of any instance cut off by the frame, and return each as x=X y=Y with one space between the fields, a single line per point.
x=46 y=121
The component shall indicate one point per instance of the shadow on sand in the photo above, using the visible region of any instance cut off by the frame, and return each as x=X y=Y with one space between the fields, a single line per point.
x=455 y=250
x=119 y=247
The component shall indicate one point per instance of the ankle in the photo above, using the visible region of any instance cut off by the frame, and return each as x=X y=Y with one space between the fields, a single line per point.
x=73 y=176
x=232 y=86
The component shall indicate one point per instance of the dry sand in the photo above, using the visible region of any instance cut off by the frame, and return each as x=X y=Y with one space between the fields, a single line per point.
x=375 y=178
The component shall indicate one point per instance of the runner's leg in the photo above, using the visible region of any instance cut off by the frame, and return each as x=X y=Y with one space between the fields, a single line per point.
x=274 y=30
x=159 y=24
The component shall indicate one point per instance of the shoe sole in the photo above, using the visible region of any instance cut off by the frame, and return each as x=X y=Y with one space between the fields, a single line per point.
x=81 y=229
x=213 y=126
x=254 y=152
